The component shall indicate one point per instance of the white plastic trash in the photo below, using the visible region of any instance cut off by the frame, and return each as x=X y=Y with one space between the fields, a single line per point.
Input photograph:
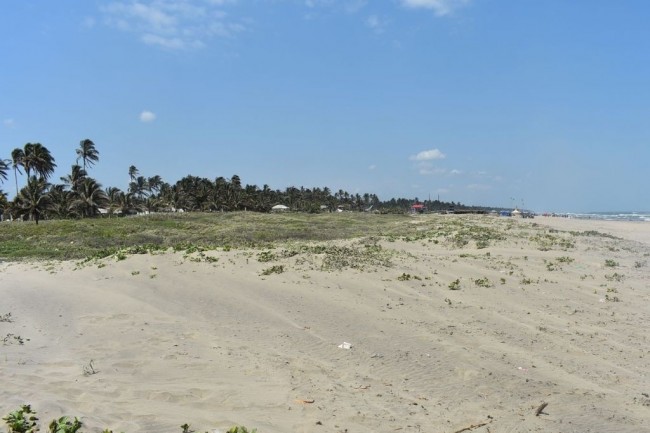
x=345 y=345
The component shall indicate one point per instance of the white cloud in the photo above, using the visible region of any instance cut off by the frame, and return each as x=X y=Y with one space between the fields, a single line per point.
x=375 y=23
x=372 y=167
x=428 y=155
x=174 y=25
x=440 y=7
x=455 y=172
x=478 y=186
x=9 y=123
x=147 y=116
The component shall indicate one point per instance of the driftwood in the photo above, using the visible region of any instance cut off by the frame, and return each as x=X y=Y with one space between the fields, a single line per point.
x=473 y=426
x=540 y=409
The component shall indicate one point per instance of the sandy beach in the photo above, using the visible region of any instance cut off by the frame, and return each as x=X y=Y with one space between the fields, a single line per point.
x=444 y=336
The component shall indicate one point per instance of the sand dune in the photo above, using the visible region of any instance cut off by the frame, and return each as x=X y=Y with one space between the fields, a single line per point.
x=538 y=317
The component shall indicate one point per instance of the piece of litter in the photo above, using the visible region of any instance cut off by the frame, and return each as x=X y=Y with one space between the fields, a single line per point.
x=345 y=345
x=305 y=401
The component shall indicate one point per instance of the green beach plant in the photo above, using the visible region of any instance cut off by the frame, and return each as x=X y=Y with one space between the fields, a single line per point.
x=22 y=420
x=65 y=425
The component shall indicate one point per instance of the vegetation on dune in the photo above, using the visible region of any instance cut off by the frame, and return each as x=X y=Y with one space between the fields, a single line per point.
x=24 y=420
x=191 y=232
x=78 y=239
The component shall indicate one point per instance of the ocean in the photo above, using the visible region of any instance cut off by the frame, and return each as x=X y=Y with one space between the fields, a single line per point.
x=612 y=216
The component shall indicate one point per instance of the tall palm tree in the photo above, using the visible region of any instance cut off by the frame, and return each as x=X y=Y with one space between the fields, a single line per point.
x=3 y=204
x=4 y=167
x=90 y=197
x=154 y=183
x=139 y=187
x=76 y=176
x=33 y=199
x=87 y=152
x=39 y=159
x=17 y=160
x=234 y=192
x=133 y=173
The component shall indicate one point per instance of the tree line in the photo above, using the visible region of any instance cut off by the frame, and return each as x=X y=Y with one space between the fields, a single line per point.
x=78 y=195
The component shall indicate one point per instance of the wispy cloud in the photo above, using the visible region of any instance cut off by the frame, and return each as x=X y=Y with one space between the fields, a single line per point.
x=147 y=116
x=174 y=25
x=376 y=23
x=428 y=155
x=440 y=7
x=9 y=123
x=88 y=22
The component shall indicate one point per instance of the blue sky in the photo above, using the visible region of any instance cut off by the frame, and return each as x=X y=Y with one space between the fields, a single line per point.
x=487 y=102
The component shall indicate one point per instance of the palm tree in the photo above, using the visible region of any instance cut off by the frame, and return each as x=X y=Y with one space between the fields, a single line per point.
x=139 y=187
x=154 y=183
x=4 y=166
x=87 y=152
x=76 y=176
x=33 y=199
x=90 y=197
x=133 y=173
x=3 y=204
x=39 y=159
x=17 y=160
x=60 y=201
x=233 y=192
x=121 y=201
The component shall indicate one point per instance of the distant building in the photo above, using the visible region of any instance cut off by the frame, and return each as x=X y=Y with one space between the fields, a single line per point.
x=418 y=208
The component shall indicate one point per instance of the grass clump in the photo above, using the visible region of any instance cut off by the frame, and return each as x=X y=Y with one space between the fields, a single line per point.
x=483 y=282
x=455 y=285
x=615 y=277
x=276 y=269
x=266 y=256
x=12 y=338
x=609 y=263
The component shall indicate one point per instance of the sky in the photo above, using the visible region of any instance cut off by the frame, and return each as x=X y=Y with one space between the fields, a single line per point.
x=541 y=104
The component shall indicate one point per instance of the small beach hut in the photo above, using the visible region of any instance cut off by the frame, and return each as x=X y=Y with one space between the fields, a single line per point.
x=418 y=208
x=280 y=208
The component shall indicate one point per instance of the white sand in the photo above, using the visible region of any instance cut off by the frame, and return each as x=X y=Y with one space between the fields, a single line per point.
x=218 y=344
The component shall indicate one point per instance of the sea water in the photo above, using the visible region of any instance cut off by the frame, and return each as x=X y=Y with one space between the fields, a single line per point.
x=612 y=216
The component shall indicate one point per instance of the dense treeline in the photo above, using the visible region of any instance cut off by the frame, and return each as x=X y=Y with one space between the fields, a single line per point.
x=78 y=195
